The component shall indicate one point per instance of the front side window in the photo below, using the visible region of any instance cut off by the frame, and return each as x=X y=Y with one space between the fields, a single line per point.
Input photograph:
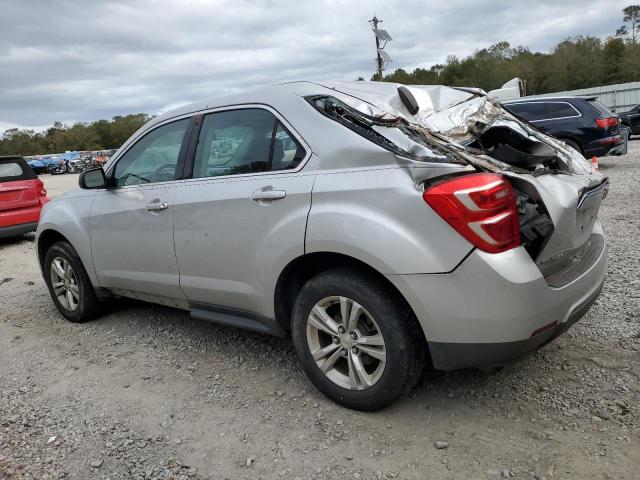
x=153 y=158
x=250 y=140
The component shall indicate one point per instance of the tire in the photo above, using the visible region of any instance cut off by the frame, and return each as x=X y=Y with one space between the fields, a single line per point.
x=380 y=313
x=84 y=304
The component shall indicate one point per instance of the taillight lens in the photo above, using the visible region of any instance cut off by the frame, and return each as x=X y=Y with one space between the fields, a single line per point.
x=607 y=122
x=40 y=188
x=481 y=207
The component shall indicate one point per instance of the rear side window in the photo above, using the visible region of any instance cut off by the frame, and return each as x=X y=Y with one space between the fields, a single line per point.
x=287 y=152
x=561 y=110
x=14 y=169
x=529 y=111
x=250 y=140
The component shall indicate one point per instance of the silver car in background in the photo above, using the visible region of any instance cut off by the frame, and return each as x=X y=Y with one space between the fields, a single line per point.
x=381 y=226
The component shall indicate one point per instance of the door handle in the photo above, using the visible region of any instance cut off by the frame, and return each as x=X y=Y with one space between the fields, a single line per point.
x=268 y=194
x=156 y=206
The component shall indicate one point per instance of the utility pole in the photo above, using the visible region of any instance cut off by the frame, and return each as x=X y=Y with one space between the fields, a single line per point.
x=382 y=58
x=374 y=21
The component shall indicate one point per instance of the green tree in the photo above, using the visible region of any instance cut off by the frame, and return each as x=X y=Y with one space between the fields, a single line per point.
x=630 y=71
x=613 y=55
x=631 y=23
x=98 y=135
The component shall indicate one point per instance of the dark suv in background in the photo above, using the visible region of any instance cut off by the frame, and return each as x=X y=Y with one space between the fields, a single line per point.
x=631 y=120
x=584 y=123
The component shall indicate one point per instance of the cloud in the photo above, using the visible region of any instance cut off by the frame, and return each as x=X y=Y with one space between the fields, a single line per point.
x=75 y=60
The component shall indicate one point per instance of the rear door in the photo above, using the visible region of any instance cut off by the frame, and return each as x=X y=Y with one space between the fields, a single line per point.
x=242 y=215
x=19 y=195
x=132 y=222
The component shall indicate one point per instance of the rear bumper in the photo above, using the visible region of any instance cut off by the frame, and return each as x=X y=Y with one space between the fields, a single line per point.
x=16 y=230
x=453 y=356
x=21 y=216
x=489 y=310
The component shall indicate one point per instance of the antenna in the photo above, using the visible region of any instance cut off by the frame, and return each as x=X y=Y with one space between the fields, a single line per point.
x=382 y=37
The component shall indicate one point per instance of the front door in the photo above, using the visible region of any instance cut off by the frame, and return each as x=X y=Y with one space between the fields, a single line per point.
x=132 y=221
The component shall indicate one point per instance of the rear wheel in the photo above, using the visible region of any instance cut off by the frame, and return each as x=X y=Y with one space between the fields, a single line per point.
x=68 y=283
x=358 y=343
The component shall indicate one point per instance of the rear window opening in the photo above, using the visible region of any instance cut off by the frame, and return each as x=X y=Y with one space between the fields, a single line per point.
x=498 y=149
x=15 y=168
x=8 y=170
x=512 y=148
x=395 y=135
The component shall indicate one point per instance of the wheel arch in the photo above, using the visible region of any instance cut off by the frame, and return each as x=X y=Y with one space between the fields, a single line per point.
x=47 y=236
x=303 y=268
x=45 y=239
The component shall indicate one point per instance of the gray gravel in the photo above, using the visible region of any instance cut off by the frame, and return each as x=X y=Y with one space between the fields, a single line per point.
x=145 y=392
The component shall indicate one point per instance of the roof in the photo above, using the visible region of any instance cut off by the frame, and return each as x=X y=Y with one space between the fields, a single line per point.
x=547 y=99
x=441 y=97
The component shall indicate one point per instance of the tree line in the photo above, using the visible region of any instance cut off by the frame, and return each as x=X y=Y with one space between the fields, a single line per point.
x=98 y=135
x=574 y=63
x=579 y=62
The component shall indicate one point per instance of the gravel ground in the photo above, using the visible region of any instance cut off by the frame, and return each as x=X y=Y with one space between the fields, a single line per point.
x=146 y=392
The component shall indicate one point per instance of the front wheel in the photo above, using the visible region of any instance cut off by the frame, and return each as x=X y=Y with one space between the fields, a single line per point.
x=358 y=342
x=69 y=285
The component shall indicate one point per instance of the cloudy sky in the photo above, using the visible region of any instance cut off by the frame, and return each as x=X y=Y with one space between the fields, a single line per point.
x=84 y=60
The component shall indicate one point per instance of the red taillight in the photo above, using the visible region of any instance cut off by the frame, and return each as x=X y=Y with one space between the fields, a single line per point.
x=607 y=122
x=40 y=188
x=481 y=207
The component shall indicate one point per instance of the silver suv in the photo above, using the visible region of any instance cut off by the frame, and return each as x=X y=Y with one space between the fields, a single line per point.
x=382 y=226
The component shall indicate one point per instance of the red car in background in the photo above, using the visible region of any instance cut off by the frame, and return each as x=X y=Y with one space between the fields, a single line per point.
x=22 y=195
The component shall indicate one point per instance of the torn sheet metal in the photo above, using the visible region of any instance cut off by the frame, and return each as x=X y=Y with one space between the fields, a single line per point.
x=459 y=116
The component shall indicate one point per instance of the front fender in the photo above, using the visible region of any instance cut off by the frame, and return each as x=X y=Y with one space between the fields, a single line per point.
x=69 y=217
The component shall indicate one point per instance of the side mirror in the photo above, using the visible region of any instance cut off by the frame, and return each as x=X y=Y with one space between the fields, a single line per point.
x=92 y=179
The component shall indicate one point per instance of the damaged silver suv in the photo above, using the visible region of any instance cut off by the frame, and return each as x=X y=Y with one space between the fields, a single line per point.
x=381 y=226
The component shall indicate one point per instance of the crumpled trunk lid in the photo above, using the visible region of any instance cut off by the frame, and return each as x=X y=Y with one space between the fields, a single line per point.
x=571 y=204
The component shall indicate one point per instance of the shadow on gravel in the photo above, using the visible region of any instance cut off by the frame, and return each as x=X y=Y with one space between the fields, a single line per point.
x=173 y=330
x=10 y=241
x=177 y=326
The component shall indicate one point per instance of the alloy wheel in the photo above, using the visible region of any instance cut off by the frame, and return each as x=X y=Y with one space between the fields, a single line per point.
x=64 y=283
x=346 y=343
